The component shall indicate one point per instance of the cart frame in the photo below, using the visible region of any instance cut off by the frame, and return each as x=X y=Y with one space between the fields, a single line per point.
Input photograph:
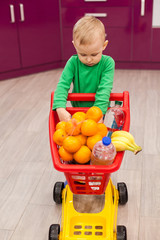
x=86 y=179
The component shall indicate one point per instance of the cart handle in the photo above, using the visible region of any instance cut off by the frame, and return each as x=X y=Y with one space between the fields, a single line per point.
x=91 y=97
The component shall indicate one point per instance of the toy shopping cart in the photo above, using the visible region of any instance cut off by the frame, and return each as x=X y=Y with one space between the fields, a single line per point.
x=88 y=179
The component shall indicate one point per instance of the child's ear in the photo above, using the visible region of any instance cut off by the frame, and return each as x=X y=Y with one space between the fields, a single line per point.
x=105 y=44
x=73 y=43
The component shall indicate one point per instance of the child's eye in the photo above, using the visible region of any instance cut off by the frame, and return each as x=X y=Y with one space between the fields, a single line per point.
x=95 y=54
x=83 y=55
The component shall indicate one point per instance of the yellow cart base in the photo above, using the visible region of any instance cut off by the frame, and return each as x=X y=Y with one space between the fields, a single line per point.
x=90 y=226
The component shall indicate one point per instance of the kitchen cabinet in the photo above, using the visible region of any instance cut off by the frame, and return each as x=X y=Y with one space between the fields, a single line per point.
x=30 y=33
x=116 y=16
x=142 y=30
x=156 y=31
x=133 y=36
x=9 y=47
x=156 y=45
x=146 y=31
x=38 y=34
x=39 y=31
x=93 y=3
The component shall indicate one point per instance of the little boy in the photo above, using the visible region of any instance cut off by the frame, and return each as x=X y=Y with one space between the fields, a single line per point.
x=89 y=70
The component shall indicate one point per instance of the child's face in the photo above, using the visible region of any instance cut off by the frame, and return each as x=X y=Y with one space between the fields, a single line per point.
x=90 y=54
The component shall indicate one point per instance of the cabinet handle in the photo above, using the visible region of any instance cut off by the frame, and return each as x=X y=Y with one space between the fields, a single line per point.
x=12 y=13
x=95 y=0
x=21 y=12
x=142 y=7
x=96 y=14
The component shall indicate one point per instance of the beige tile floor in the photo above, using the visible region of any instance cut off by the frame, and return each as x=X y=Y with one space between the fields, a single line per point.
x=27 y=175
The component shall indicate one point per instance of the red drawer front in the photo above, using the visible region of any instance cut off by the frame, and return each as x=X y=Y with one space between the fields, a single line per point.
x=111 y=17
x=93 y=3
x=118 y=47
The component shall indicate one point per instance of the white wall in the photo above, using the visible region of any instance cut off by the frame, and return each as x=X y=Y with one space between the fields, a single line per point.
x=156 y=13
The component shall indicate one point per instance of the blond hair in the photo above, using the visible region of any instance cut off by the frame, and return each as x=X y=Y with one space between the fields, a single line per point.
x=86 y=28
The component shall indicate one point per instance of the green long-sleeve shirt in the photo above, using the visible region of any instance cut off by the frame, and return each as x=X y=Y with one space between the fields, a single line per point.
x=95 y=79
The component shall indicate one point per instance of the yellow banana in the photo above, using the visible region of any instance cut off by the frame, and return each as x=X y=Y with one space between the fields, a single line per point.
x=122 y=146
x=125 y=134
x=125 y=141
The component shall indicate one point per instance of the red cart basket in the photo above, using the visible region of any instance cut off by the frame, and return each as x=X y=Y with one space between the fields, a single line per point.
x=87 y=179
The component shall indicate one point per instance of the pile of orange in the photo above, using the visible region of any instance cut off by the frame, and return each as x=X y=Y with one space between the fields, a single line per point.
x=77 y=137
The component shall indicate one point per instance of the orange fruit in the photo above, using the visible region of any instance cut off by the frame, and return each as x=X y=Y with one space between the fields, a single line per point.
x=71 y=144
x=73 y=127
x=82 y=139
x=66 y=156
x=59 y=136
x=94 y=113
x=61 y=125
x=91 y=141
x=83 y=155
x=79 y=116
x=102 y=129
x=89 y=127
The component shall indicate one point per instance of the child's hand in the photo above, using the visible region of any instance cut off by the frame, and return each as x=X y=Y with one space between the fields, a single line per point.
x=63 y=114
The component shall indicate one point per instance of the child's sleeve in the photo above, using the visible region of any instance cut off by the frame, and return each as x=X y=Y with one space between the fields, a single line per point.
x=105 y=86
x=63 y=86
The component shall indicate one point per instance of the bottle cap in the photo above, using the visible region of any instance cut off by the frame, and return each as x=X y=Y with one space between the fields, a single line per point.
x=106 y=141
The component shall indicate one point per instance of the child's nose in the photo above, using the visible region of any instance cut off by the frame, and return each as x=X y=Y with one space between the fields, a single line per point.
x=89 y=59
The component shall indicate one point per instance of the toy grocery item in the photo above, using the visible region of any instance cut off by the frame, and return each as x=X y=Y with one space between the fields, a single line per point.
x=115 y=118
x=123 y=140
x=103 y=152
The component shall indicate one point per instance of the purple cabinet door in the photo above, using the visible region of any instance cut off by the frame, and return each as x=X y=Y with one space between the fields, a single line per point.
x=39 y=31
x=142 y=29
x=119 y=43
x=9 y=50
x=156 y=45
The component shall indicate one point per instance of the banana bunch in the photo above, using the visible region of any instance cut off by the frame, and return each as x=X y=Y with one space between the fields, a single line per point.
x=123 y=140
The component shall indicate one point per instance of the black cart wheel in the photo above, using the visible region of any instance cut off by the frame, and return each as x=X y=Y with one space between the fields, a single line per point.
x=123 y=193
x=57 y=192
x=121 y=233
x=54 y=231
